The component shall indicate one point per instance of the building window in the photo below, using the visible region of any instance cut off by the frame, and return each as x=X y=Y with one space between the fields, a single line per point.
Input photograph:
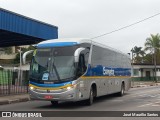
x=135 y=72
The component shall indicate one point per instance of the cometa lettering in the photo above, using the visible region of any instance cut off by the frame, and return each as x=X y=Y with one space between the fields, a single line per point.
x=108 y=72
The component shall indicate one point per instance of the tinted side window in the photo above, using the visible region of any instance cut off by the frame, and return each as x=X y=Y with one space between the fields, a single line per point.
x=96 y=56
x=102 y=56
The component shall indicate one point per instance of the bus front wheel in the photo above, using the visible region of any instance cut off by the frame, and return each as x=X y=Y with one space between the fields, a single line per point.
x=91 y=97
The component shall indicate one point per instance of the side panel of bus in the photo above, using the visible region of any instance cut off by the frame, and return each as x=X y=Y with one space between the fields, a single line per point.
x=100 y=72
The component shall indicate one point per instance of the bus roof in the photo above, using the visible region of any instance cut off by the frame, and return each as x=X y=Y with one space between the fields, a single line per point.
x=62 y=42
x=72 y=42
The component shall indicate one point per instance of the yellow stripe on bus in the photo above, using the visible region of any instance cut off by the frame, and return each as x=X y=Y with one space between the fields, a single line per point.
x=96 y=77
x=50 y=88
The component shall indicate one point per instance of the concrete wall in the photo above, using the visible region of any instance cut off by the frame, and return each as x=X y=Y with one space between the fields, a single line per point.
x=144 y=73
x=24 y=67
x=6 y=56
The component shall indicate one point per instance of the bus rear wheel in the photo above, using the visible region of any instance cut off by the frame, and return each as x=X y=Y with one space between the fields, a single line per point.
x=91 y=97
x=54 y=103
x=121 y=93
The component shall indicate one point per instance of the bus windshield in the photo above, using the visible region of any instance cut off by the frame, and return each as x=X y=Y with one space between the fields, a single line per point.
x=53 y=64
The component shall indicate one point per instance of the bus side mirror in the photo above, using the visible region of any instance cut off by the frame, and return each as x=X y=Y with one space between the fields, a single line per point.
x=77 y=53
x=25 y=55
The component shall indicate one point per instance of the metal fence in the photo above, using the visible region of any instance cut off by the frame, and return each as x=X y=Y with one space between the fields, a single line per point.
x=13 y=82
x=146 y=79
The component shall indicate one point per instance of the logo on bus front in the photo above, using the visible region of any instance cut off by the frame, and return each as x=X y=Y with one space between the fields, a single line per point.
x=108 y=72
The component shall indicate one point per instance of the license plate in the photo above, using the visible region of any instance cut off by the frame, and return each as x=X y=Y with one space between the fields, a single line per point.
x=48 y=97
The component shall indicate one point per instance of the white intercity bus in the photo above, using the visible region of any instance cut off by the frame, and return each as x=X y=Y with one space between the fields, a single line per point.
x=77 y=69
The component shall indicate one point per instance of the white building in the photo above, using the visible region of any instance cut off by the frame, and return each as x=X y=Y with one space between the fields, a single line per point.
x=145 y=71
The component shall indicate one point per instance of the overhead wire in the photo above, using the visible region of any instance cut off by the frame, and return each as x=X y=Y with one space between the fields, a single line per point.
x=127 y=26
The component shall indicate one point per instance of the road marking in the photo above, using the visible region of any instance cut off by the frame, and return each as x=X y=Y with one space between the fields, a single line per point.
x=146 y=95
x=145 y=105
x=142 y=93
x=155 y=104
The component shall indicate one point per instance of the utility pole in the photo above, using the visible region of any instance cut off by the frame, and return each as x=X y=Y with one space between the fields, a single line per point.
x=155 y=64
x=20 y=59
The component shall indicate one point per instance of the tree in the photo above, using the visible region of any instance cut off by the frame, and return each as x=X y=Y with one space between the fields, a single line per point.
x=138 y=51
x=7 y=50
x=148 y=59
x=153 y=44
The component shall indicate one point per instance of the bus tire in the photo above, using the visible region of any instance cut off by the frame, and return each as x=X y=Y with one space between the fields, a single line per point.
x=121 y=93
x=91 y=97
x=54 y=103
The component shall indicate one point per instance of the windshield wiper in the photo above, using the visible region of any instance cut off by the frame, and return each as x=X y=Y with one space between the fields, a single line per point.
x=56 y=72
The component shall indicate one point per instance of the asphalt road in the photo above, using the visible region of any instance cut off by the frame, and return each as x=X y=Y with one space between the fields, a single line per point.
x=136 y=99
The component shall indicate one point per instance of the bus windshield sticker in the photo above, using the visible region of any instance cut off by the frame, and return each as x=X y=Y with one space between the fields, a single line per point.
x=45 y=76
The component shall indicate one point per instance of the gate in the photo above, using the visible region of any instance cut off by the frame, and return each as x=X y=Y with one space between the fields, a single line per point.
x=13 y=82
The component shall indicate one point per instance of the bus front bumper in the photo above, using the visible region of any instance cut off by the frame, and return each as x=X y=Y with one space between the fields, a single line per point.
x=69 y=95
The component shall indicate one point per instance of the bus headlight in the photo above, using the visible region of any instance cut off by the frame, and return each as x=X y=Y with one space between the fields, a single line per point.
x=71 y=87
x=68 y=88
x=32 y=88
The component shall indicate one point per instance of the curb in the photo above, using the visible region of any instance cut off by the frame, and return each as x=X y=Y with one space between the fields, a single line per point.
x=3 y=102
x=24 y=99
x=137 y=86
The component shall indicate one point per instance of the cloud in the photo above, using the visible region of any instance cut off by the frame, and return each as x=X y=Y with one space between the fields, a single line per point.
x=90 y=18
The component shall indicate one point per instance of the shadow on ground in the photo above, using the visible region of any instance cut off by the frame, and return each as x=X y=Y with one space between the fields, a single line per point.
x=79 y=104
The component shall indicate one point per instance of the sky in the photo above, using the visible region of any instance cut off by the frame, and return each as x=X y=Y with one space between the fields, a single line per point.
x=91 y=18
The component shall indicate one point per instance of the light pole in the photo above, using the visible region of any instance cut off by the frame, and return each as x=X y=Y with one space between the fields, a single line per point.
x=132 y=56
x=132 y=83
x=20 y=58
x=20 y=63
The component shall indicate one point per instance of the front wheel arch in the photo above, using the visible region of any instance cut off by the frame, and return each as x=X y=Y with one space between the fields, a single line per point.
x=92 y=94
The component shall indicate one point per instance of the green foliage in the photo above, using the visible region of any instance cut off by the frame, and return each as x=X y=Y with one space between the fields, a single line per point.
x=8 y=50
x=138 y=54
x=5 y=77
x=29 y=57
x=152 y=45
